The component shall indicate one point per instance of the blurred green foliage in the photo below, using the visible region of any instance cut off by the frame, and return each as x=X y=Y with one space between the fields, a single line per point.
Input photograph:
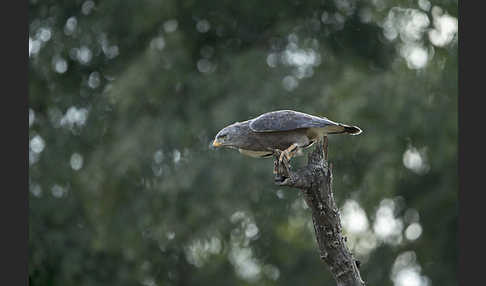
x=125 y=97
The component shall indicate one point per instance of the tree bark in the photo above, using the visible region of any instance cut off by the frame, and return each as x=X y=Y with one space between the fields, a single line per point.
x=315 y=182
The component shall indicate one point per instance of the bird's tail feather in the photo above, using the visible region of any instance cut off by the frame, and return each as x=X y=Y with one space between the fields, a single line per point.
x=343 y=128
x=352 y=130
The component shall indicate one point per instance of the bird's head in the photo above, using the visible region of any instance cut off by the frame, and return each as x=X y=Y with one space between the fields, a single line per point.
x=230 y=136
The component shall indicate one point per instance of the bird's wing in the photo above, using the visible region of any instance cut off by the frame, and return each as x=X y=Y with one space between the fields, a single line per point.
x=285 y=120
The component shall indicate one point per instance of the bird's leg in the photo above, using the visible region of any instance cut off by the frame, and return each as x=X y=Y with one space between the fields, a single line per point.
x=288 y=152
x=280 y=169
x=281 y=166
x=275 y=162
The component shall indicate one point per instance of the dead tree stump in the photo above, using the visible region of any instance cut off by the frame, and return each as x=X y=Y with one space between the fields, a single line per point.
x=315 y=182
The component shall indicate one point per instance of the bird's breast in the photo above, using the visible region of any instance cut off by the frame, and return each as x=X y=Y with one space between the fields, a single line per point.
x=255 y=154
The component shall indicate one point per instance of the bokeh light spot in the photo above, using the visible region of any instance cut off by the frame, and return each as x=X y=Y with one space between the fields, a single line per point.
x=76 y=161
x=203 y=26
x=413 y=231
x=415 y=160
x=290 y=83
x=353 y=217
x=60 y=64
x=170 y=26
x=87 y=7
x=70 y=26
x=94 y=80
x=37 y=144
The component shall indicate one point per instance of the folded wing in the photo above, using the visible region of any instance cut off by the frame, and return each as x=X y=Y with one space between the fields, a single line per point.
x=285 y=120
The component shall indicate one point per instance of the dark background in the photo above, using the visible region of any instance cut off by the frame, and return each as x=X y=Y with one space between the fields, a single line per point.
x=125 y=97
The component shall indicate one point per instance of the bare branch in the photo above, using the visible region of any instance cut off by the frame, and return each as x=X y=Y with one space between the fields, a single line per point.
x=315 y=182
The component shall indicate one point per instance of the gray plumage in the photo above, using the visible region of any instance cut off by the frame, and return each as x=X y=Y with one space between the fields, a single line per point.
x=284 y=120
x=285 y=130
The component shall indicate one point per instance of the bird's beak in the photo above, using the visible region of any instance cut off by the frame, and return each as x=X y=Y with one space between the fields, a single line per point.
x=216 y=143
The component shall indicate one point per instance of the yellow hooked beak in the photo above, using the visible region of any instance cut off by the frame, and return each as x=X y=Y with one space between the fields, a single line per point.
x=216 y=143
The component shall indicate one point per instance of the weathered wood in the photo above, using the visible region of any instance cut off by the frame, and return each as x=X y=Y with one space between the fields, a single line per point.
x=315 y=182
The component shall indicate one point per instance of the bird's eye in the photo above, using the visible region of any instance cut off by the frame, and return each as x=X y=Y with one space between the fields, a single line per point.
x=222 y=136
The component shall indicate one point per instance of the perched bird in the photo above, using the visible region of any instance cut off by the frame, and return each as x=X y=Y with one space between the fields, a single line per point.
x=284 y=130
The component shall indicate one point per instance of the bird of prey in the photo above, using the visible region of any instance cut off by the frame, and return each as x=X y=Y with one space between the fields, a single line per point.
x=283 y=130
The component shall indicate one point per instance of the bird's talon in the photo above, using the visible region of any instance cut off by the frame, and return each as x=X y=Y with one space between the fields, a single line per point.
x=280 y=179
x=283 y=181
